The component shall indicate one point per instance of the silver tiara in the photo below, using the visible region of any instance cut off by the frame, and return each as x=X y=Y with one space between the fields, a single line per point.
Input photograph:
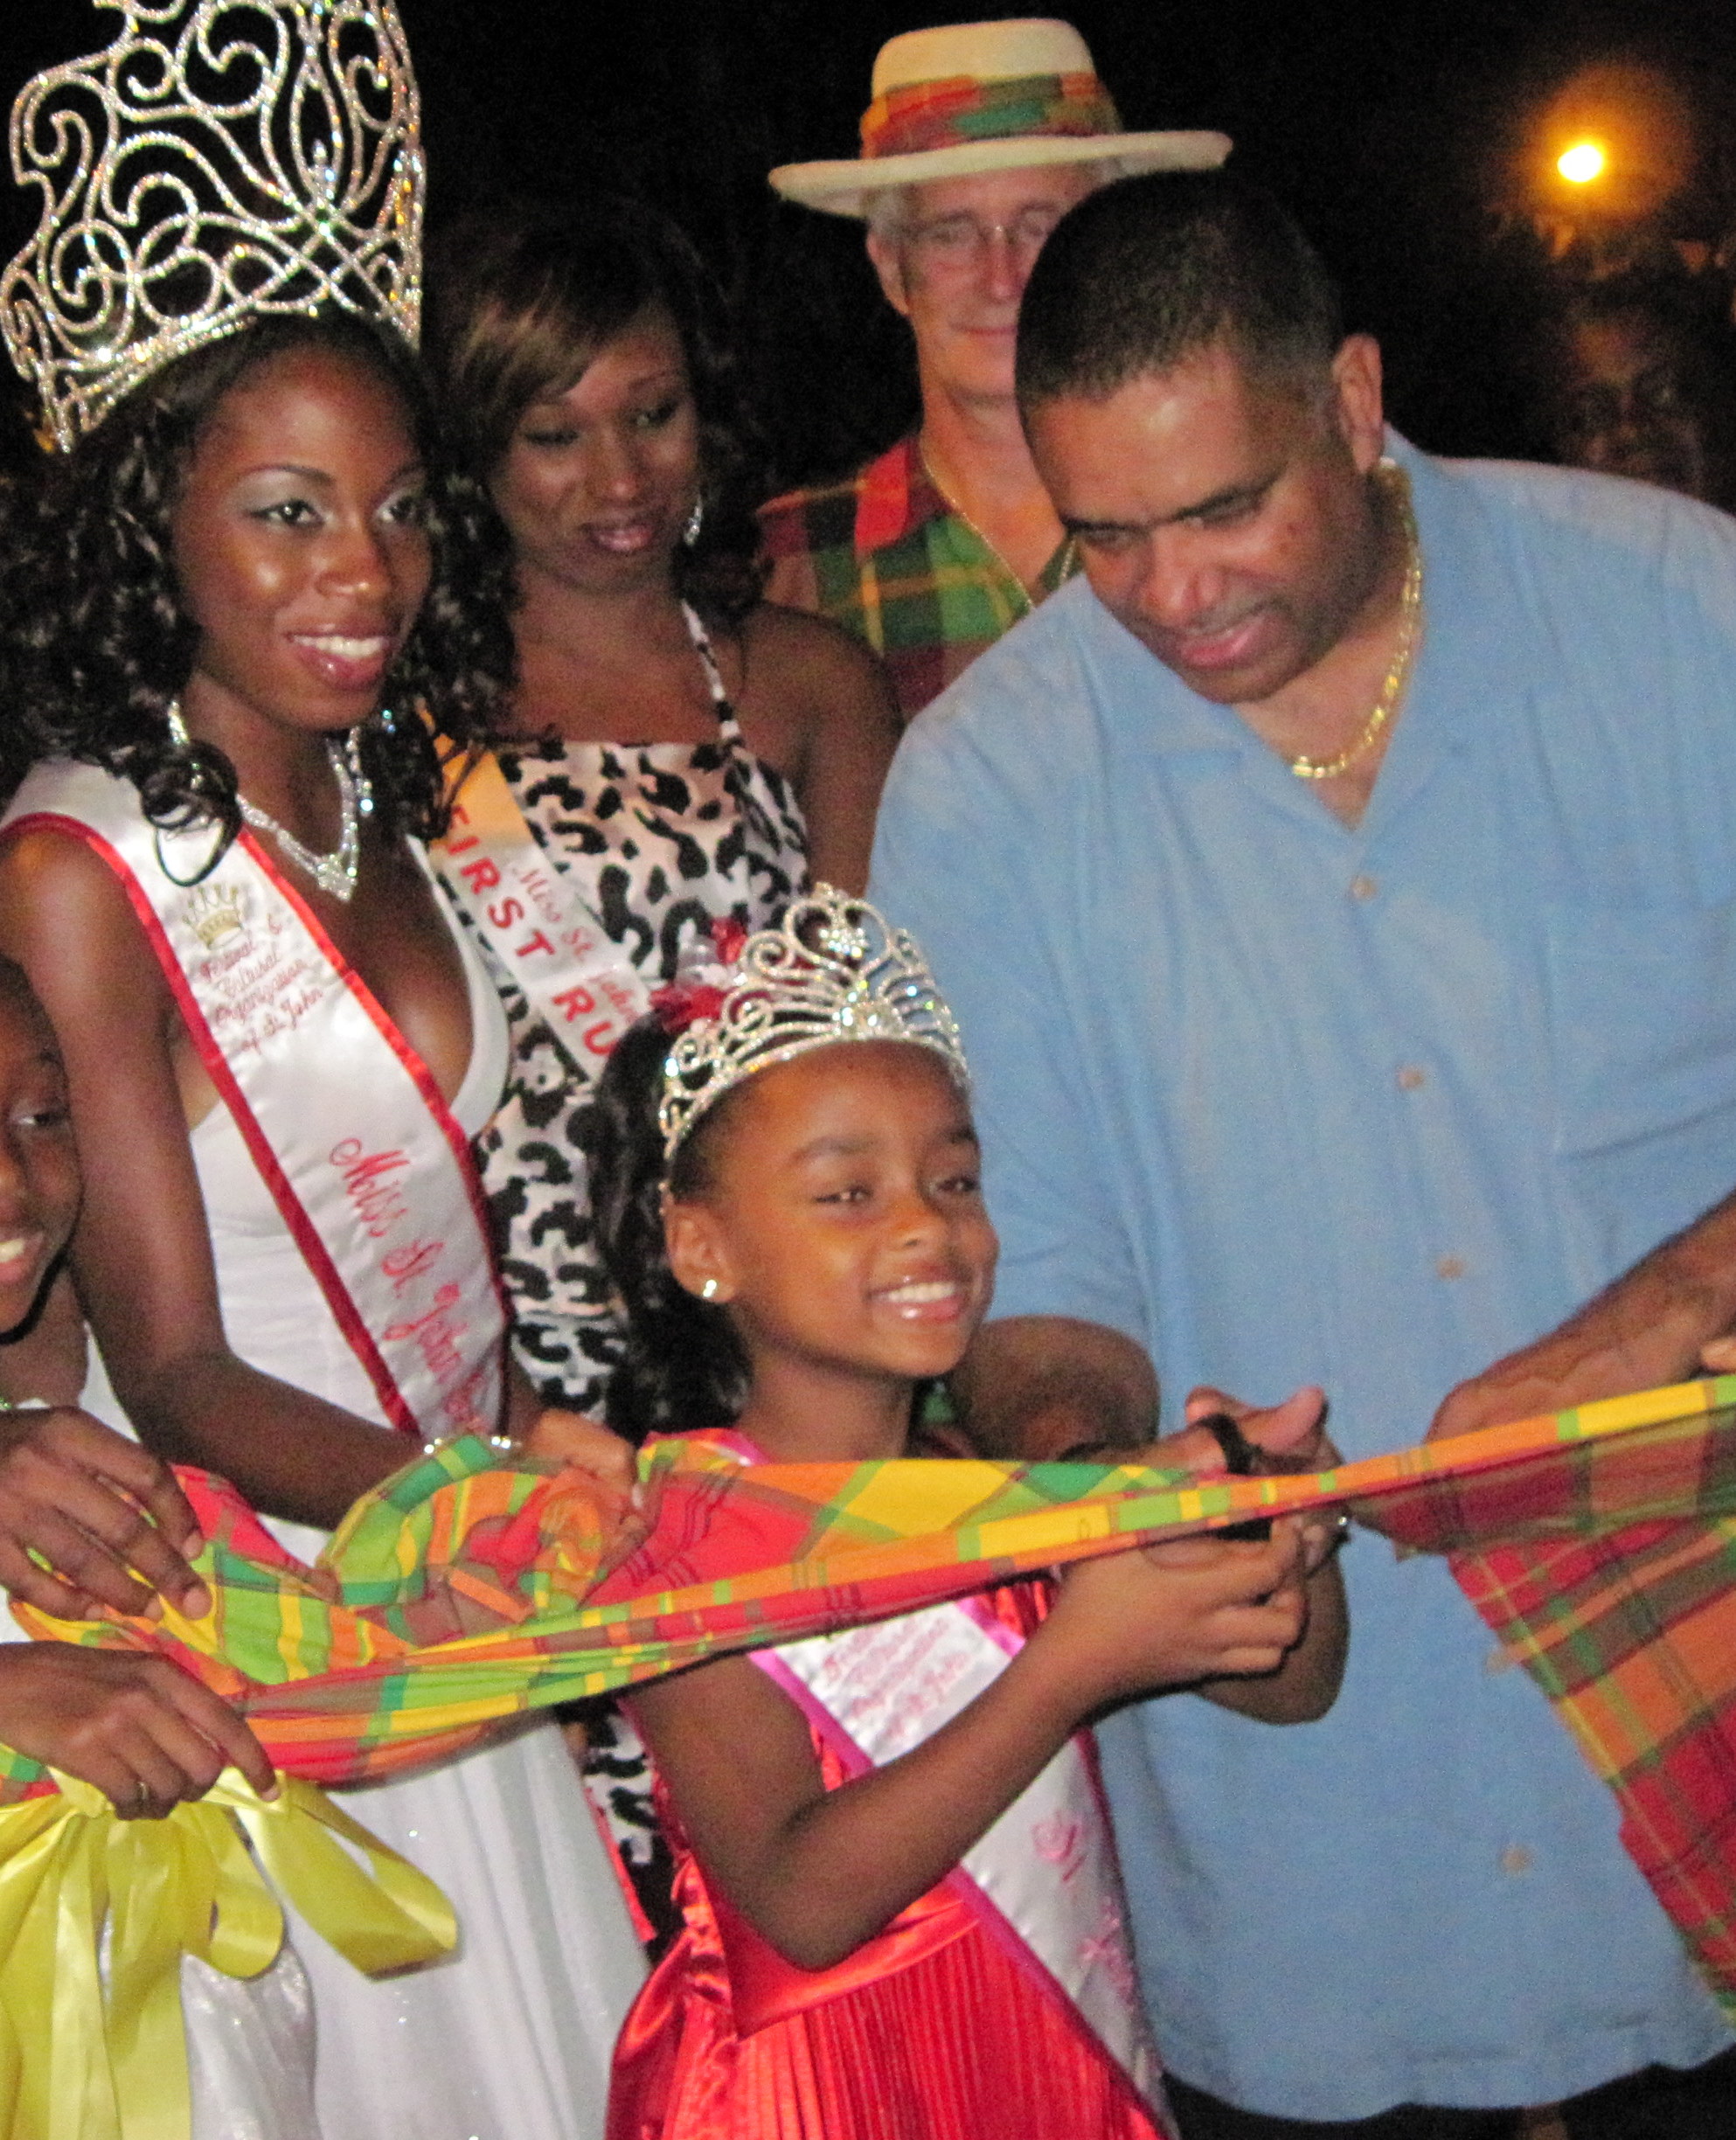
x=831 y=970
x=222 y=159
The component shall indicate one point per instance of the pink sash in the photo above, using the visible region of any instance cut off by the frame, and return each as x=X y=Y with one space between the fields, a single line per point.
x=1042 y=1882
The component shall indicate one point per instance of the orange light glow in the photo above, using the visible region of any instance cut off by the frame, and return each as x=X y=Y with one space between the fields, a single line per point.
x=1581 y=163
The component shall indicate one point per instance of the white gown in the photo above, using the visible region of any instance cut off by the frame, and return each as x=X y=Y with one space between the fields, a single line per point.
x=510 y=2040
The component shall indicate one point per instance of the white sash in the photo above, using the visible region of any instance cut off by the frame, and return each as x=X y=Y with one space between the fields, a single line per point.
x=1043 y=1880
x=361 y=1155
x=532 y=916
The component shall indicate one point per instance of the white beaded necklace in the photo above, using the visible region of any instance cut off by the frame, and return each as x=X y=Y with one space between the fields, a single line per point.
x=335 y=873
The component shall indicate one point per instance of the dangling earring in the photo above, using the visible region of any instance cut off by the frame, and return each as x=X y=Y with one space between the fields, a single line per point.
x=709 y=1291
x=696 y=520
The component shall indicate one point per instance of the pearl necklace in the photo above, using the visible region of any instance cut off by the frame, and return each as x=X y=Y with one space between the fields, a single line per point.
x=1410 y=614
x=335 y=873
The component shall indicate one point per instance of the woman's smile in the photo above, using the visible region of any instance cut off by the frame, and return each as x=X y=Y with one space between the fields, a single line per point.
x=299 y=549
x=597 y=481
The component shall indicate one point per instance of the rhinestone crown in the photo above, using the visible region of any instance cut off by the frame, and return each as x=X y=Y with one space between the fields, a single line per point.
x=221 y=159
x=831 y=970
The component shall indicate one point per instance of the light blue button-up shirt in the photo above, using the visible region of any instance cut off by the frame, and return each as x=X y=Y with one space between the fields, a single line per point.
x=1289 y=1102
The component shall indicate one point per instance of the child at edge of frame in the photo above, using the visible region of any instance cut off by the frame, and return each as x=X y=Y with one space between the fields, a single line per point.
x=88 y=1520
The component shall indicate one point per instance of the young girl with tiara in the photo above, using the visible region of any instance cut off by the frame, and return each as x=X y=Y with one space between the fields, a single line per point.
x=901 y=1915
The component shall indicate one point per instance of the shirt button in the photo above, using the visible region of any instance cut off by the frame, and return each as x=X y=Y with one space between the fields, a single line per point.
x=1450 y=1267
x=1515 y=1859
x=1411 y=1078
x=1363 y=888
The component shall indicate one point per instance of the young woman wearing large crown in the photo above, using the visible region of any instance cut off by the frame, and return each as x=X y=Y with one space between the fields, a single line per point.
x=278 y=1048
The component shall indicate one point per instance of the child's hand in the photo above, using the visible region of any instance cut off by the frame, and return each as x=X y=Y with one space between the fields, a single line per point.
x=588 y=1446
x=145 y=1732
x=566 y=1437
x=1289 y=1437
x=93 y=1505
x=1173 y=1614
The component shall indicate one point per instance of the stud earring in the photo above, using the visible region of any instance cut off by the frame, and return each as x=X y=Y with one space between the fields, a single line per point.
x=696 y=520
x=709 y=1291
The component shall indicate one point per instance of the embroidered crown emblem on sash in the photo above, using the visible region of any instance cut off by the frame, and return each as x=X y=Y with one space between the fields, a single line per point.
x=215 y=912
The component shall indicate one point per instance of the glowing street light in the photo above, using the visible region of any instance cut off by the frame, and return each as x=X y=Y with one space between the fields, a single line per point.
x=1580 y=164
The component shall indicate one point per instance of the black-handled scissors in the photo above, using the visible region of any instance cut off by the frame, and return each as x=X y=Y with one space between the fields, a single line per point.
x=1241 y=1460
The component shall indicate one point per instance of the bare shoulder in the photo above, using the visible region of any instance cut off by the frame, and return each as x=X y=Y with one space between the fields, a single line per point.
x=790 y=650
x=714 y=1702
x=65 y=918
x=54 y=880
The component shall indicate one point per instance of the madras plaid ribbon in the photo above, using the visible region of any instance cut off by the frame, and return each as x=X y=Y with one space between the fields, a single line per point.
x=1599 y=1544
x=943 y=114
x=883 y=554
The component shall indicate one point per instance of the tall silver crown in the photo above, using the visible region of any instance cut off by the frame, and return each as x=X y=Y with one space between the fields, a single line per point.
x=221 y=159
x=831 y=970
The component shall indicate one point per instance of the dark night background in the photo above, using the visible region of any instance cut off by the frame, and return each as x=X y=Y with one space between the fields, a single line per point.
x=1391 y=127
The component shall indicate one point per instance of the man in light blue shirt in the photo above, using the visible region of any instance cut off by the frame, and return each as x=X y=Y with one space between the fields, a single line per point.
x=1349 y=974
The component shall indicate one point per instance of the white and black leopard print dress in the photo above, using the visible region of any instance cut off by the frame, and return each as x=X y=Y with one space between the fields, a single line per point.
x=667 y=838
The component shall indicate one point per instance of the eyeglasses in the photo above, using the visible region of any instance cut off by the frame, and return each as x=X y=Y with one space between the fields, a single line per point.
x=953 y=243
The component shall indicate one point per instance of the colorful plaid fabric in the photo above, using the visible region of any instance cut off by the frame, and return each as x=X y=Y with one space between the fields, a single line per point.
x=1599 y=1545
x=942 y=114
x=884 y=554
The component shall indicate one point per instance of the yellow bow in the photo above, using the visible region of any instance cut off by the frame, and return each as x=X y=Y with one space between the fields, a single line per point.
x=96 y=2050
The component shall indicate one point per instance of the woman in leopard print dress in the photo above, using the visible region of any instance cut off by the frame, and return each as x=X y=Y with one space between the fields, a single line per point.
x=689 y=753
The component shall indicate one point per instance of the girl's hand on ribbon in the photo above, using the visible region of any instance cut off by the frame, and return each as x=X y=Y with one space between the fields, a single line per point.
x=146 y=1733
x=108 y=1517
x=1300 y=1609
x=566 y=1437
x=1289 y=1437
x=1174 y=1614
x=587 y=1445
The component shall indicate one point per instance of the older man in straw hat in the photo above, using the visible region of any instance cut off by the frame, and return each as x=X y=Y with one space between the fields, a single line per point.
x=979 y=139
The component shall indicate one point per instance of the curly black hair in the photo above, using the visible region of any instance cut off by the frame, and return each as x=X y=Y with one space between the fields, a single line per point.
x=524 y=295
x=684 y=1366
x=96 y=646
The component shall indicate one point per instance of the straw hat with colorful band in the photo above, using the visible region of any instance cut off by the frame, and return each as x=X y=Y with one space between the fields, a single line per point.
x=985 y=97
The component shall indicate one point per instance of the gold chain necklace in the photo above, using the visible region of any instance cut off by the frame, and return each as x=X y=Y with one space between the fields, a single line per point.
x=994 y=549
x=1410 y=619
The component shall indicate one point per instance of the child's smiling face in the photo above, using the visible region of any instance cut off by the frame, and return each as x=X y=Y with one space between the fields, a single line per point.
x=843 y=1218
x=38 y=1161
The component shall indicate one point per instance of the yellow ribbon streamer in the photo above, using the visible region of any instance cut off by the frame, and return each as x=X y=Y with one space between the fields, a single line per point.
x=382 y=1916
x=82 y=2059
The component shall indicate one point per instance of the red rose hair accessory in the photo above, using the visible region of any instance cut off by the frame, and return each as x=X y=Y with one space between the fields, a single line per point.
x=699 y=993
x=684 y=1003
x=729 y=939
